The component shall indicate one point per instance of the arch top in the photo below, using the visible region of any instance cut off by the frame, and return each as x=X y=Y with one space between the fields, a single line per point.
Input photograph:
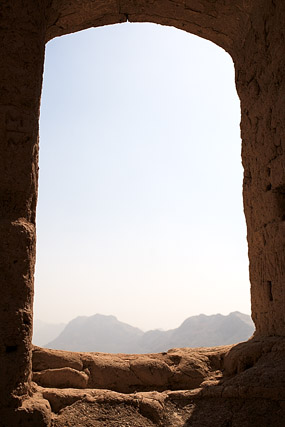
x=220 y=21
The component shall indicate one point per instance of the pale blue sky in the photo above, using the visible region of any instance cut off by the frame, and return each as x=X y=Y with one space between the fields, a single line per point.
x=140 y=199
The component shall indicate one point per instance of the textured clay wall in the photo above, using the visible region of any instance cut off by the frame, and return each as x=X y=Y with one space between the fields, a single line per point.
x=22 y=35
x=252 y=31
x=260 y=83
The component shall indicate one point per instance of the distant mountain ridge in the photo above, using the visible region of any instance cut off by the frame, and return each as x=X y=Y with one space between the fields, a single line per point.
x=101 y=333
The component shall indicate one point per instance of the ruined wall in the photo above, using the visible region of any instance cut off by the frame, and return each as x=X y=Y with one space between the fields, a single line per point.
x=22 y=33
x=252 y=31
x=260 y=83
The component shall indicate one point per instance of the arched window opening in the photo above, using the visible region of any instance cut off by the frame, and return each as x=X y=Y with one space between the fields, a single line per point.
x=140 y=200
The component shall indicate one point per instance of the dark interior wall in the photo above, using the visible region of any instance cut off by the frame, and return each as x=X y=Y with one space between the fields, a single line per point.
x=260 y=83
x=22 y=34
x=251 y=31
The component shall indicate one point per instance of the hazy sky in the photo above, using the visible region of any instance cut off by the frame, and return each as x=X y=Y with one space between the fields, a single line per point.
x=140 y=200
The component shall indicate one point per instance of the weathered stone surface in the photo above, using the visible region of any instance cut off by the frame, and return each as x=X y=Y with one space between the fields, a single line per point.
x=230 y=369
x=61 y=378
x=53 y=359
x=253 y=33
x=181 y=408
x=241 y=384
x=176 y=369
x=35 y=412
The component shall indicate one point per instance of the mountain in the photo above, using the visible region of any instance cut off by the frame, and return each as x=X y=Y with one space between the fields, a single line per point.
x=107 y=334
x=97 y=333
x=206 y=331
x=45 y=332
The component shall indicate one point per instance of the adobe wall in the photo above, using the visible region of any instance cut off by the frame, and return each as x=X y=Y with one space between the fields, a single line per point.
x=252 y=31
x=260 y=84
x=22 y=34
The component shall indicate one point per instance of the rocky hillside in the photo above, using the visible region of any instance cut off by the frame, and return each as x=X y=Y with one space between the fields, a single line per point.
x=107 y=334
